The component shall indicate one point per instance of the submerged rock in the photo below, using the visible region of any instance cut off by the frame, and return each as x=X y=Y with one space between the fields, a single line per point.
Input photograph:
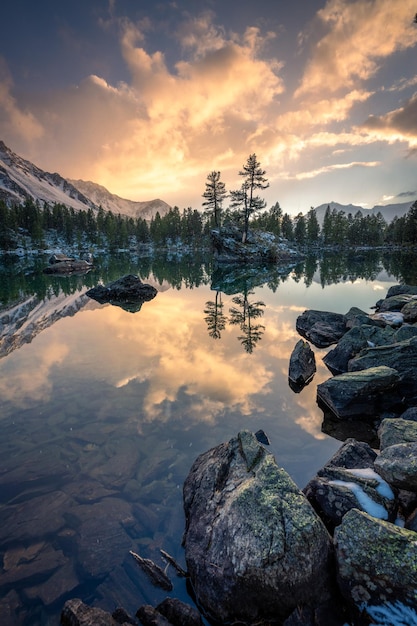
x=76 y=613
x=255 y=548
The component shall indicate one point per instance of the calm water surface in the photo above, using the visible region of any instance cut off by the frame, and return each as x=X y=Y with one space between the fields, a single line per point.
x=103 y=411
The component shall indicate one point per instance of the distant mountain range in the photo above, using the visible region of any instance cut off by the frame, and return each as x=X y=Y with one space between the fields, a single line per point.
x=388 y=212
x=21 y=180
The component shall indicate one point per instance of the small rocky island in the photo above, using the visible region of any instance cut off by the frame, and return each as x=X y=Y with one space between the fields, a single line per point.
x=344 y=549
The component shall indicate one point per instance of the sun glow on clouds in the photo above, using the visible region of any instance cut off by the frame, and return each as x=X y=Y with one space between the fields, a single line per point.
x=159 y=133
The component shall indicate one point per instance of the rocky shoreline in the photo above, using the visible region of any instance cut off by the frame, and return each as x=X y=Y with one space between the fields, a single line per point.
x=344 y=549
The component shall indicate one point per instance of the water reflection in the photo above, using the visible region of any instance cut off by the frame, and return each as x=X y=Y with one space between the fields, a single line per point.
x=242 y=314
x=103 y=413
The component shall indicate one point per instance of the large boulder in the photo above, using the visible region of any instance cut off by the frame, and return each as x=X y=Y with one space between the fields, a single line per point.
x=129 y=292
x=365 y=393
x=255 y=548
x=322 y=328
x=376 y=560
x=402 y=356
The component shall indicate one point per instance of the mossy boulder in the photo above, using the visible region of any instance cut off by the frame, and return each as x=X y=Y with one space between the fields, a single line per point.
x=376 y=560
x=255 y=548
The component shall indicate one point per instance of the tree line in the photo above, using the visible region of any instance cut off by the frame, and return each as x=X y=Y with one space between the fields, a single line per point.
x=190 y=227
x=57 y=222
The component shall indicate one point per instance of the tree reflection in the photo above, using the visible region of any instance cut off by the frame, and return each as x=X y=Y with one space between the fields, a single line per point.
x=243 y=315
x=215 y=319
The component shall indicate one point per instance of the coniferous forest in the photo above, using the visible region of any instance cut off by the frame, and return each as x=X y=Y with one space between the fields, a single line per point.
x=42 y=226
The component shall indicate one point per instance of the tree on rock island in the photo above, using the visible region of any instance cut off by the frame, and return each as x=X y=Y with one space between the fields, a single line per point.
x=244 y=198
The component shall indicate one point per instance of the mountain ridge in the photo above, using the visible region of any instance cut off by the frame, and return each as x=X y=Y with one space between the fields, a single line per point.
x=22 y=180
x=388 y=211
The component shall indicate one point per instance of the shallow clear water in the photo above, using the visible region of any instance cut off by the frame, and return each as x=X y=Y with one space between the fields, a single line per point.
x=103 y=411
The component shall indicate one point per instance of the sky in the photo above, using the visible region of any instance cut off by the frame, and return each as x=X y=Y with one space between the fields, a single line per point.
x=147 y=98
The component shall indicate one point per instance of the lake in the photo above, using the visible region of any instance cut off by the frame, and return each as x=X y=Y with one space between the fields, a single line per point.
x=103 y=410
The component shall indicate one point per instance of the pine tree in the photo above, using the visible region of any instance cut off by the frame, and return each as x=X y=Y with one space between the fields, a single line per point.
x=245 y=198
x=214 y=194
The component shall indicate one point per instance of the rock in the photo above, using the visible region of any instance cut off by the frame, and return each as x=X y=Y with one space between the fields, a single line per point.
x=397 y=464
x=406 y=331
x=56 y=587
x=357 y=317
x=352 y=342
x=122 y=617
x=69 y=267
x=102 y=540
x=321 y=327
x=9 y=609
x=377 y=561
x=76 y=613
x=358 y=394
x=410 y=414
x=259 y=247
x=395 y=290
x=155 y=573
x=302 y=365
x=254 y=547
x=149 y=616
x=349 y=345
x=35 y=518
x=349 y=481
x=334 y=491
x=394 y=303
x=409 y=310
x=401 y=356
x=129 y=292
x=393 y=431
x=27 y=564
x=179 y=613
x=262 y=437
x=353 y=454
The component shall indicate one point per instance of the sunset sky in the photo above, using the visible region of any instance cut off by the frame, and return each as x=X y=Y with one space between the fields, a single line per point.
x=147 y=97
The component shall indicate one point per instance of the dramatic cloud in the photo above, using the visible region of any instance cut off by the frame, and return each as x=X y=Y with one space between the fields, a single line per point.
x=202 y=97
x=359 y=33
x=397 y=125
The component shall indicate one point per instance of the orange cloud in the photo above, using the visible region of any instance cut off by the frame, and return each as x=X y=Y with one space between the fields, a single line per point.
x=359 y=33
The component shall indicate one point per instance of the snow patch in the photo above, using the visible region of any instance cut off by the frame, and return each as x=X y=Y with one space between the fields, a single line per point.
x=367 y=504
x=383 y=488
x=396 y=614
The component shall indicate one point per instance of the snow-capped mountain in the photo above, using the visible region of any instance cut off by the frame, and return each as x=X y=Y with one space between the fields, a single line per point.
x=110 y=202
x=388 y=212
x=21 y=180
